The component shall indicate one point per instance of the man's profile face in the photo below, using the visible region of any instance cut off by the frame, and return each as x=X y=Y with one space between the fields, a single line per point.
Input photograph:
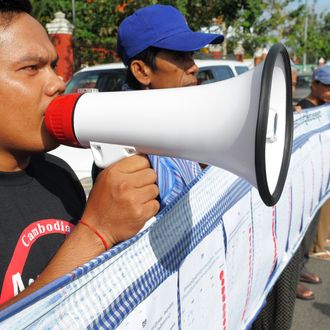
x=174 y=69
x=27 y=85
x=321 y=91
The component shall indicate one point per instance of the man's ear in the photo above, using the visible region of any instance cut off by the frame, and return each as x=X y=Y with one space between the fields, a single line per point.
x=141 y=72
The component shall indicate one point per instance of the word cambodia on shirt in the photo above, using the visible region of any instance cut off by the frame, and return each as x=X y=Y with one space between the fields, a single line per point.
x=39 y=207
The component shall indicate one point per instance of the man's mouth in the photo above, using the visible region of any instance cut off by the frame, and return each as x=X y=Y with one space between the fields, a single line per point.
x=194 y=83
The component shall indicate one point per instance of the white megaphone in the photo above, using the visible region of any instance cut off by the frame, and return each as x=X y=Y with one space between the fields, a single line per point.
x=244 y=124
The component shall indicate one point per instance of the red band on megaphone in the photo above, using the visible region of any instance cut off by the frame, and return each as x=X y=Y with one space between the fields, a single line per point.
x=59 y=119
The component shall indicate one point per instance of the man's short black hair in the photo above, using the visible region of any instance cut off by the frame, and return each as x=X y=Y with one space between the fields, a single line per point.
x=10 y=8
x=148 y=56
x=15 y=6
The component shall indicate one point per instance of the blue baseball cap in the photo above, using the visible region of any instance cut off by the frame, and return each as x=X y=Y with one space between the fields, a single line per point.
x=159 y=26
x=322 y=74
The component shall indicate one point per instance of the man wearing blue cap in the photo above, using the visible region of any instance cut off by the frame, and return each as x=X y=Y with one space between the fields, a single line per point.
x=157 y=46
x=320 y=89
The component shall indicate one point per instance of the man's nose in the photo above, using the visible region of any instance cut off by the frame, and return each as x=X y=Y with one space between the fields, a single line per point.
x=55 y=85
x=192 y=67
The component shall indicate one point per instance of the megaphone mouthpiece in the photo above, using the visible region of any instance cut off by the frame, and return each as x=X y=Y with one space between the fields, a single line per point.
x=59 y=119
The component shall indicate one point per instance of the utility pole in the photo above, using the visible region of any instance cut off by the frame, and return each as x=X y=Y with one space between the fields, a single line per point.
x=73 y=12
x=305 y=36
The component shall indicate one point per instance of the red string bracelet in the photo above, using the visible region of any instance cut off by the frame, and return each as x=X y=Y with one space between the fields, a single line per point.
x=106 y=246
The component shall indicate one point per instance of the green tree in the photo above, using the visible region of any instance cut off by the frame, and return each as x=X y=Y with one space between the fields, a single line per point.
x=44 y=10
x=262 y=23
x=317 y=41
x=324 y=50
x=257 y=23
x=96 y=25
x=97 y=21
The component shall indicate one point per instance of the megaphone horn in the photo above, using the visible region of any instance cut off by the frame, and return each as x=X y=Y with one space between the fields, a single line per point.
x=243 y=124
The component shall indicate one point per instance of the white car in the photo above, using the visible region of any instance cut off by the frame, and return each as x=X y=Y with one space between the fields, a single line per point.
x=217 y=70
x=98 y=78
x=111 y=77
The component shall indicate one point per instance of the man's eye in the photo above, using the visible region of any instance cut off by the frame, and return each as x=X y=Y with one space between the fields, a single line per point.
x=31 y=68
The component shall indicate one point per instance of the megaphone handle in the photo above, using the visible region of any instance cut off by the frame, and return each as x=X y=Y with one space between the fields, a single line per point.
x=105 y=154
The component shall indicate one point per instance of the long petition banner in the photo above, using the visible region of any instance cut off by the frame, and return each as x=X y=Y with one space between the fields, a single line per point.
x=207 y=262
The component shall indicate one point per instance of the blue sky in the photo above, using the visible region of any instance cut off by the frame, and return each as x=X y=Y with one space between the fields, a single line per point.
x=321 y=5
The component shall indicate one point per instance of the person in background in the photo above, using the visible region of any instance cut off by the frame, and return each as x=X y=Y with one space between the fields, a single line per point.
x=320 y=89
x=157 y=46
x=319 y=95
x=322 y=241
x=321 y=61
x=46 y=227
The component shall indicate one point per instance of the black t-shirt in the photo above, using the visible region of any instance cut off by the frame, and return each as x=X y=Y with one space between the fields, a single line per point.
x=39 y=207
x=305 y=104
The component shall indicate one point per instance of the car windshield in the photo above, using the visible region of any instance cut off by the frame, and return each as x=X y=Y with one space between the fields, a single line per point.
x=223 y=72
x=211 y=74
x=241 y=69
x=97 y=81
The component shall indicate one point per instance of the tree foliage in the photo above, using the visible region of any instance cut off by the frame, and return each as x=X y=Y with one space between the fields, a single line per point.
x=261 y=23
x=256 y=23
x=316 y=42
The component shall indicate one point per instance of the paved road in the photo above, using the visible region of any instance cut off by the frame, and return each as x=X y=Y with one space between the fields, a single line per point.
x=315 y=314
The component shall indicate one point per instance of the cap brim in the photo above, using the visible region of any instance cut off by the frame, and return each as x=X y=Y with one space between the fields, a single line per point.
x=325 y=82
x=189 y=41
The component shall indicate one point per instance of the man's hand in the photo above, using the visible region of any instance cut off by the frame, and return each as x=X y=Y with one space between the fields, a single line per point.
x=297 y=108
x=123 y=198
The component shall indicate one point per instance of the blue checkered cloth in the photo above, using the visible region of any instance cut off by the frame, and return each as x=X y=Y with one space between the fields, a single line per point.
x=173 y=175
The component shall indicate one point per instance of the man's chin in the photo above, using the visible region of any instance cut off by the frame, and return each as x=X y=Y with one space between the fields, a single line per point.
x=48 y=141
x=50 y=147
x=191 y=84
